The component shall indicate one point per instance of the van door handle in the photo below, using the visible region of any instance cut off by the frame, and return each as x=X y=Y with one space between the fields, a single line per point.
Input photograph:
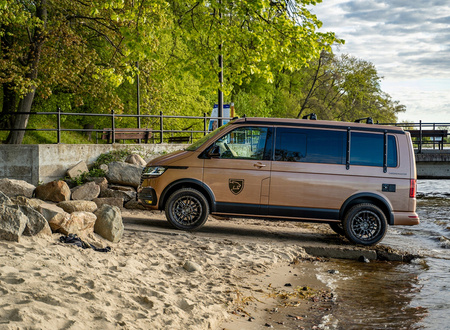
x=259 y=165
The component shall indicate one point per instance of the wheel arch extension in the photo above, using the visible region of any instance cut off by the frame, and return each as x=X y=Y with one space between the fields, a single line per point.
x=371 y=198
x=187 y=183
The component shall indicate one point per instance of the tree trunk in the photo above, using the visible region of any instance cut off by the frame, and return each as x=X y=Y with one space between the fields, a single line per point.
x=9 y=105
x=21 y=121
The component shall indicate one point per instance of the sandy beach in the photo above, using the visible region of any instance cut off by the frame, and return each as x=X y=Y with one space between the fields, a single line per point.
x=149 y=280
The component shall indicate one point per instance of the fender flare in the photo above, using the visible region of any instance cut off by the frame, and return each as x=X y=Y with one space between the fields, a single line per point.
x=190 y=183
x=369 y=197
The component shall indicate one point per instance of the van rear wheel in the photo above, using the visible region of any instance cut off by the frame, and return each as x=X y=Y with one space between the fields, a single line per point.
x=187 y=209
x=365 y=224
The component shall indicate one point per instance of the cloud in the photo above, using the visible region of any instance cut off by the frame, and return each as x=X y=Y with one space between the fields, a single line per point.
x=407 y=41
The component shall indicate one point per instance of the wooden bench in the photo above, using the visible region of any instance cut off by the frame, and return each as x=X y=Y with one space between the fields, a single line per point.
x=127 y=134
x=179 y=139
x=440 y=134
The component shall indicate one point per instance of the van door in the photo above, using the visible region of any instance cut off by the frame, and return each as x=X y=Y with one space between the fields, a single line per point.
x=238 y=172
x=308 y=173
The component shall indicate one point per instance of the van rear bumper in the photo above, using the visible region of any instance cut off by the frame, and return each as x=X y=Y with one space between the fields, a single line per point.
x=406 y=218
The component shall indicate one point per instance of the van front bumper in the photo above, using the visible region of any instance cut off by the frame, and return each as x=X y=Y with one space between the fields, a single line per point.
x=406 y=218
x=147 y=197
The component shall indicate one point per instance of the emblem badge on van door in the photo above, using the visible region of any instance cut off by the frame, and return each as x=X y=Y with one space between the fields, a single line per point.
x=236 y=185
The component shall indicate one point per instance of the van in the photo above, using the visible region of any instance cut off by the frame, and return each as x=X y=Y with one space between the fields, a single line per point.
x=359 y=178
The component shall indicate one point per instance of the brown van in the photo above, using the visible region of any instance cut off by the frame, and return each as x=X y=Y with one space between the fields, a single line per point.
x=356 y=177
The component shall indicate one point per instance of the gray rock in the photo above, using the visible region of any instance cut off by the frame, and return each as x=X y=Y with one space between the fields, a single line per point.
x=55 y=191
x=123 y=173
x=36 y=223
x=109 y=223
x=77 y=170
x=5 y=200
x=111 y=201
x=136 y=160
x=31 y=202
x=191 y=266
x=12 y=223
x=86 y=192
x=50 y=210
x=134 y=205
x=125 y=195
x=13 y=188
x=78 y=206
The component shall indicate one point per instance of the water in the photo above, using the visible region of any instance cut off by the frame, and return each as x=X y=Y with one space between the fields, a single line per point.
x=390 y=295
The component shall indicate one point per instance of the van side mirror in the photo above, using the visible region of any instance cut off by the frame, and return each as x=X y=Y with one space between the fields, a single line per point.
x=213 y=152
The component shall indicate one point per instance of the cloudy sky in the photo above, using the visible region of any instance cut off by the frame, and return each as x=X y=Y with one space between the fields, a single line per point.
x=407 y=41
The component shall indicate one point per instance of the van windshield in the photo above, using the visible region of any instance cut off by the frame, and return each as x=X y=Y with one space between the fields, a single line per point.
x=194 y=146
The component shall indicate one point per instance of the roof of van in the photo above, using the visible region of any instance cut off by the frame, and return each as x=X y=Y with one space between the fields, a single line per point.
x=317 y=123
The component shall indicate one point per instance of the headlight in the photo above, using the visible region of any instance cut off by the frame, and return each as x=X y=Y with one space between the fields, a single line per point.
x=154 y=171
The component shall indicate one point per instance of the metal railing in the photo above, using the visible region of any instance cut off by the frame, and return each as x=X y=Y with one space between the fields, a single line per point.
x=427 y=135
x=422 y=140
x=162 y=132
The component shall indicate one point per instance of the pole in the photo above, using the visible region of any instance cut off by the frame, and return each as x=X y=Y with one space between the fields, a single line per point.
x=138 y=98
x=220 y=93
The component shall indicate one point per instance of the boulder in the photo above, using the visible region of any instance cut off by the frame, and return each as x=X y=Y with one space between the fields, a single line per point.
x=125 y=195
x=78 y=206
x=101 y=182
x=136 y=160
x=12 y=223
x=55 y=191
x=13 y=188
x=86 y=192
x=36 y=223
x=111 y=201
x=31 y=202
x=77 y=170
x=123 y=173
x=5 y=200
x=80 y=223
x=134 y=204
x=109 y=223
x=49 y=210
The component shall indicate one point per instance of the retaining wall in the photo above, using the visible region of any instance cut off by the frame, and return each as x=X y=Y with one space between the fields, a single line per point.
x=42 y=163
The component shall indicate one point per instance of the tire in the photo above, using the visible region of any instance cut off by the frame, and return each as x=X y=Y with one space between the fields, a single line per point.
x=365 y=224
x=337 y=228
x=187 y=209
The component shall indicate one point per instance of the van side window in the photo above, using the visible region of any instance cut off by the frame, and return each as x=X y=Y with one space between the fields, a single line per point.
x=368 y=149
x=245 y=143
x=311 y=146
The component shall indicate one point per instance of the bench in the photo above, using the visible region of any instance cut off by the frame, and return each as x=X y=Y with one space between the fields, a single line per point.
x=439 y=134
x=127 y=134
x=179 y=139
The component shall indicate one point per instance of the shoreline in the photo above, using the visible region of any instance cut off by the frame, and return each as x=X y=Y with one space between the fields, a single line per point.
x=144 y=281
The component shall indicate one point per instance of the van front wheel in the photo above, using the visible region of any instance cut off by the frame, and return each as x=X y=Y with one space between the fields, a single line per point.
x=365 y=224
x=187 y=209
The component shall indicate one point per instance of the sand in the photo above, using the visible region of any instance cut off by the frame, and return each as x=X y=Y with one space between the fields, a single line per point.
x=143 y=282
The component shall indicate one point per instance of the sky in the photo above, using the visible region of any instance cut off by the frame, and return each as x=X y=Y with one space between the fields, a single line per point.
x=408 y=41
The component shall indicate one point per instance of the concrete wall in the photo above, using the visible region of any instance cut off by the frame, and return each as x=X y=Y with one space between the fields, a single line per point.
x=47 y=162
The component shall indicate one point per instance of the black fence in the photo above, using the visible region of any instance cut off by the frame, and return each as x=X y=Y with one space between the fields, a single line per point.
x=113 y=134
x=424 y=135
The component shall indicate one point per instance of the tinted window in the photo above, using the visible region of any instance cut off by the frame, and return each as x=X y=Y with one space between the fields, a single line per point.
x=368 y=149
x=245 y=143
x=312 y=146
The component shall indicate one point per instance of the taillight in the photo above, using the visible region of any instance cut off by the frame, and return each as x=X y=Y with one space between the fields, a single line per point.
x=412 y=188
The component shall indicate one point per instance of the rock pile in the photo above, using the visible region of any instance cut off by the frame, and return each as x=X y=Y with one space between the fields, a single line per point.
x=92 y=207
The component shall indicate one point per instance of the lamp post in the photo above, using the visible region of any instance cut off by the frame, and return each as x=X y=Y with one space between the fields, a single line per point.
x=220 y=93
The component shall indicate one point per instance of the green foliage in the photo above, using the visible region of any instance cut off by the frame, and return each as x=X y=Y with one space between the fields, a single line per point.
x=276 y=63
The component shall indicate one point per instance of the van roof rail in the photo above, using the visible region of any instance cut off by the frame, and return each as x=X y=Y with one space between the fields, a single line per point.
x=368 y=120
x=311 y=116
